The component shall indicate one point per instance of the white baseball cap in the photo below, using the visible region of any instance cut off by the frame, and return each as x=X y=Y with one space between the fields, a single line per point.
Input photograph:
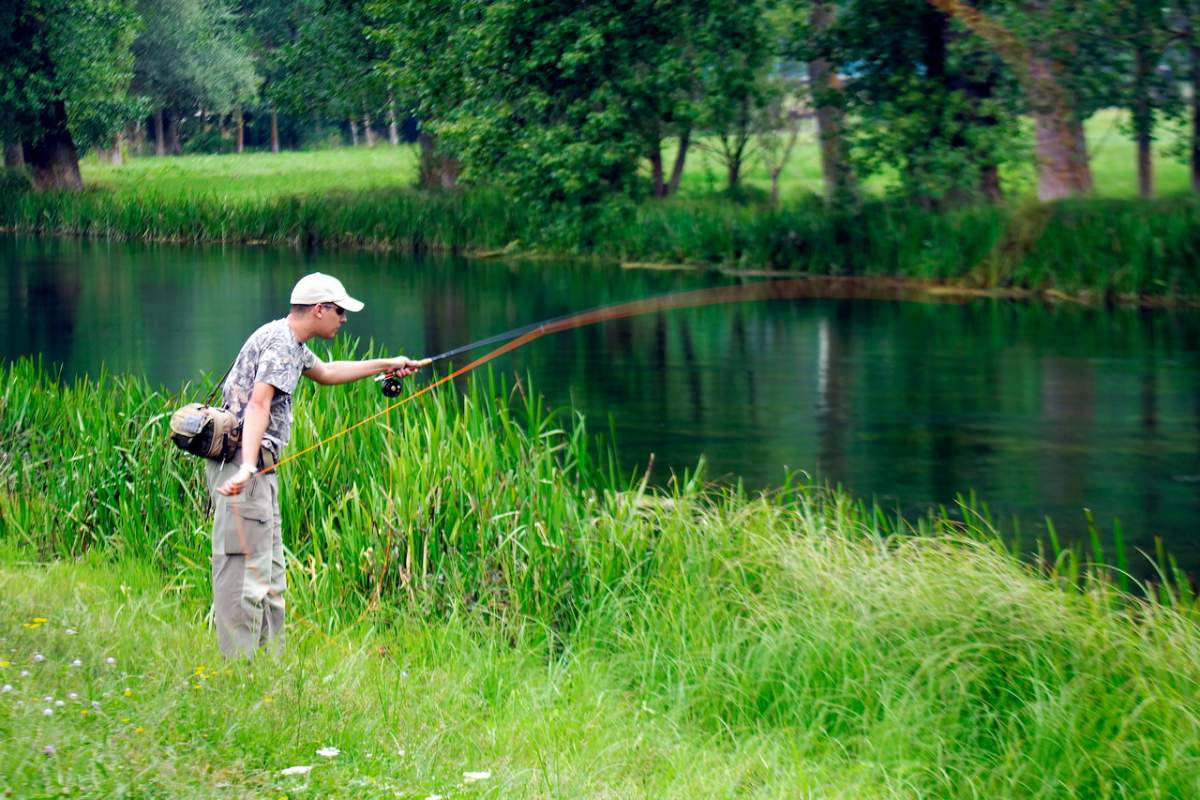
x=321 y=288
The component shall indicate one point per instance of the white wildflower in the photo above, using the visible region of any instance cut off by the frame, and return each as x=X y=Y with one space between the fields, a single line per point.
x=59 y=703
x=299 y=770
x=48 y=750
x=77 y=663
x=48 y=712
x=72 y=696
x=38 y=657
x=69 y=631
x=434 y=797
x=24 y=673
x=329 y=752
x=95 y=704
x=471 y=777
x=48 y=699
x=6 y=688
x=110 y=661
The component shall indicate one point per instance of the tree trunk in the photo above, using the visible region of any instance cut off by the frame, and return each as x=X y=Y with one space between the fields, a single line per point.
x=438 y=170
x=1062 y=158
x=52 y=158
x=826 y=88
x=393 y=127
x=1143 y=111
x=680 y=156
x=368 y=134
x=274 y=129
x=14 y=155
x=353 y=132
x=240 y=130
x=171 y=129
x=656 y=170
x=160 y=138
x=989 y=183
x=778 y=168
x=112 y=155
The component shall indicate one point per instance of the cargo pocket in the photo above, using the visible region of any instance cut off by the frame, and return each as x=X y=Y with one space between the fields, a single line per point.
x=244 y=522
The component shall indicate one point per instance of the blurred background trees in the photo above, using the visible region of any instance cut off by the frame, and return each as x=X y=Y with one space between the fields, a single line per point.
x=570 y=105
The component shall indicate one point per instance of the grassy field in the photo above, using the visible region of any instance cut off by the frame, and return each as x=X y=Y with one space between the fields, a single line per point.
x=473 y=590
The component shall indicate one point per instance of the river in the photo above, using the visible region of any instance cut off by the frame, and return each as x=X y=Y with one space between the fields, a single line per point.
x=1041 y=410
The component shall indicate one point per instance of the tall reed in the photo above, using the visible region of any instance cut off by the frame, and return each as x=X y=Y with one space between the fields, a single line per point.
x=1105 y=247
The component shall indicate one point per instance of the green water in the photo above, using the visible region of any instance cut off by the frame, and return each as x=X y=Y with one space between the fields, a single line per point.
x=1040 y=410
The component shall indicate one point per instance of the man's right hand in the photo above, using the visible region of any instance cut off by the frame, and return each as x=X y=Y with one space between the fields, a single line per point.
x=234 y=485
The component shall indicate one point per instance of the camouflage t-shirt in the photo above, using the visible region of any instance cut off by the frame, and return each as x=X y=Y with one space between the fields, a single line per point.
x=271 y=355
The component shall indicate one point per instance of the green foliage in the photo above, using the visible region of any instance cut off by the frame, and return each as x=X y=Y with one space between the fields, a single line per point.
x=75 y=51
x=559 y=101
x=190 y=55
x=330 y=66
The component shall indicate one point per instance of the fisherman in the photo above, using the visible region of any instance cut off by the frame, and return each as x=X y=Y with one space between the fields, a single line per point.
x=247 y=561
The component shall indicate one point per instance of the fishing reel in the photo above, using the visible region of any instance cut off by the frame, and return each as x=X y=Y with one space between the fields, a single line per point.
x=392 y=386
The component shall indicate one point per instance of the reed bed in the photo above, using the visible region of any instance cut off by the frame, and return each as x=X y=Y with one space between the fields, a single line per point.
x=906 y=658
x=1105 y=248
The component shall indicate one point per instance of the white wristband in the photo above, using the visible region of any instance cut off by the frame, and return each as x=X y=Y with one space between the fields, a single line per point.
x=249 y=469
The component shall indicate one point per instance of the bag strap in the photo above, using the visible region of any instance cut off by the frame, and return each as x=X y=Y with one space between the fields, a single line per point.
x=213 y=394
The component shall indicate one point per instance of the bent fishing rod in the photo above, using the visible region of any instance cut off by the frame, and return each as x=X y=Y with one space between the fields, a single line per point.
x=765 y=290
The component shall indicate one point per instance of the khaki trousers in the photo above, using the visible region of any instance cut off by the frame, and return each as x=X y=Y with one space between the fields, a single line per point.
x=247 y=563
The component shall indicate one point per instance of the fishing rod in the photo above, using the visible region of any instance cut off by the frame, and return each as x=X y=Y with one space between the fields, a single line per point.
x=794 y=288
x=392 y=386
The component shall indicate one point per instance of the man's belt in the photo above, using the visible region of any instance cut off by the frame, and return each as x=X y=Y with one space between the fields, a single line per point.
x=266 y=458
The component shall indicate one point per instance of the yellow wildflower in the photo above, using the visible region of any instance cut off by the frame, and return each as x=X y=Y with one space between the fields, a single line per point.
x=39 y=620
x=128 y=693
x=83 y=712
x=33 y=626
x=197 y=686
x=3 y=664
x=139 y=729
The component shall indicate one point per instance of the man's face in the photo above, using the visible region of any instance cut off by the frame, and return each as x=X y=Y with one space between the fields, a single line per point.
x=329 y=319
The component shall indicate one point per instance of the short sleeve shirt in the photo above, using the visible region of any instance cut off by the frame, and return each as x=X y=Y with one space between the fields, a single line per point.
x=271 y=355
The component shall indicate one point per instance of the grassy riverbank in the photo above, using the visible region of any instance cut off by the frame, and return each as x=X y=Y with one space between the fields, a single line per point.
x=473 y=586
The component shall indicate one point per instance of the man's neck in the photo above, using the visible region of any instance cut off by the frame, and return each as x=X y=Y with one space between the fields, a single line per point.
x=299 y=328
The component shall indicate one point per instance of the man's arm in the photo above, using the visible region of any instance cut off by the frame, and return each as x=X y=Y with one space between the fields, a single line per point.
x=254 y=425
x=336 y=372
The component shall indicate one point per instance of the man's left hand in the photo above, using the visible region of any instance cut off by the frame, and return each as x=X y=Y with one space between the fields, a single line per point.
x=402 y=366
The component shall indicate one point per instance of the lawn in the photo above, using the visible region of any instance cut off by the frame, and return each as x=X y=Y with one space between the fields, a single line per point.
x=314 y=172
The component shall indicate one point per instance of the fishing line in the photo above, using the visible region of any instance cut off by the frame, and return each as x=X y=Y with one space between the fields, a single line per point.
x=765 y=290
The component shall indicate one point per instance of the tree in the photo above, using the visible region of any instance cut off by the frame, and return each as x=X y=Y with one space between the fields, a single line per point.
x=560 y=101
x=738 y=55
x=65 y=67
x=930 y=100
x=273 y=26
x=811 y=44
x=1183 y=28
x=334 y=67
x=190 y=56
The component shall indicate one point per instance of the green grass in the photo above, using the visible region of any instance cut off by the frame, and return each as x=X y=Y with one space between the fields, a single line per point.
x=318 y=172
x=472 y=583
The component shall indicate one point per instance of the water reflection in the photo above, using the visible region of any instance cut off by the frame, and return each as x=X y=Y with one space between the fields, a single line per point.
x=1040 y=410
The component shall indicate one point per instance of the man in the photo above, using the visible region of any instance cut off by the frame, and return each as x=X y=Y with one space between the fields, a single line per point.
x=247 y=562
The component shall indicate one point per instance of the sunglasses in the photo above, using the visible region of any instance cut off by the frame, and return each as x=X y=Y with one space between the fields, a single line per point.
x=341 y=312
